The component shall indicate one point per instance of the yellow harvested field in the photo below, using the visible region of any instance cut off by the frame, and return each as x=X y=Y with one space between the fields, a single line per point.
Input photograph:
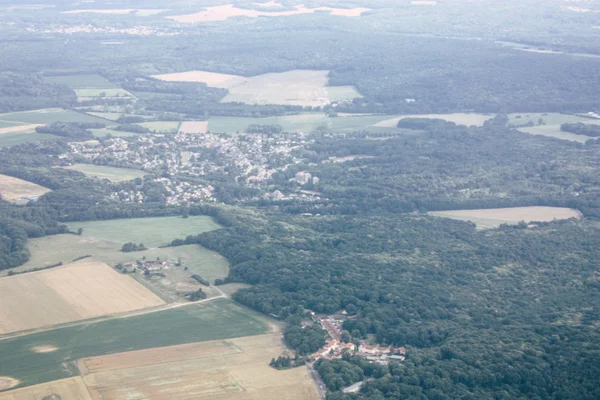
x=222 y=370
x=20 y=128
x=212 y=79
x=193 y=127
x=6 y=382
x=66 y=389
x=493 y=217
x=81 y=290
x=17 y=190
x=222 y=13
x=44 y=349
x=458 y=118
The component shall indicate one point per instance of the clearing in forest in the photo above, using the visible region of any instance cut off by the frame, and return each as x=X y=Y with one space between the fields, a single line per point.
x=91 y=86
x=19 y=191
x=70 y=388
x=296 y=87
x=494 y=217
x=113 y=174
x=457 y=118
x=548 y=124
x=81 y=290
x=224 y=12
x=215 y=320
x=225 y=369
x=193 y=127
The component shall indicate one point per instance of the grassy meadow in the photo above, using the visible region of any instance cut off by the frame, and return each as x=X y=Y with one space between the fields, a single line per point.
x=48 y=116
x=153 y=232
x=113 y=174
x=550 y=126
x=220 y=319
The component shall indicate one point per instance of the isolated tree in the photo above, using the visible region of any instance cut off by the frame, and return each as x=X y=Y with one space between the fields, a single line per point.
x=80 y=231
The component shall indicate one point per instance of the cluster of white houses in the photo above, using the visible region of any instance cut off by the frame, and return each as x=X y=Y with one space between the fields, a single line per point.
x=335 y=347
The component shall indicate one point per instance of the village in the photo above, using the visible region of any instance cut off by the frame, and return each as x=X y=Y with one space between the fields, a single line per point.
x=335 y=348
x=181 y=163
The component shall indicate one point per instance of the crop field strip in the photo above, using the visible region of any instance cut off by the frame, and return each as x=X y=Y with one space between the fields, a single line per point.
x=14 y=189
x=48 y=116
x=78 y=291
x=222 y=369
x=215 y=320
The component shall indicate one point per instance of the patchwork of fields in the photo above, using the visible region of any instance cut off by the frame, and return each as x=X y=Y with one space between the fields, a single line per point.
x=18 y=191
x=113 y=174
x=82 y=290
x=89 y=87
x=494 y=217
x=297 y=87
x=216 y=320
x=224 y=12
x=548 y=124
x=230 y=369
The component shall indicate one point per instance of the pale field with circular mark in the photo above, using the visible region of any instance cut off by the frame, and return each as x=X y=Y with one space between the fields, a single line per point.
x=6 y=382
x=44 y=349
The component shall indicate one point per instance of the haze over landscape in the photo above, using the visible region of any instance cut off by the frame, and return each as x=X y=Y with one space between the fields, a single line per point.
x=299 y=199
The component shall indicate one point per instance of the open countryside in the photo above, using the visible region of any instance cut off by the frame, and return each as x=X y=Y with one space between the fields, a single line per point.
x=296 y=87
x=82 y=290
x=492 y=218
x=225 y=369
x=219 y=319
x=221 y=13
x=19 y=191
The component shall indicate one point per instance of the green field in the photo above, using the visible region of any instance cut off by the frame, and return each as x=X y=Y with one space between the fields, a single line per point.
x=551 y=125
x=48 y=116
x=113 y=174
x=9 y=124
x=161 y=126
x=220 y=319
x=82 y=81
x=12 y=139
x=153 y=232
x=337 y=93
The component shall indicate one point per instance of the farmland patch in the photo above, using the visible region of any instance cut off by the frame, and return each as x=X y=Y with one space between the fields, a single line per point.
x=296 y=87
x=78 y=291
x=548 y=124
x=113 y=174
x=219 y=319
x=6 y=383
x=232 y=369
x=161 y=126
x=492 y=218
x=19 y=191
x=224 y=12
x=193 y=127
x=64 y=389
x=48 y=116
x=46 y=348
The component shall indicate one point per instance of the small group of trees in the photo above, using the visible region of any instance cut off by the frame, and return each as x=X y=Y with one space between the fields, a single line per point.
x=286 y=362
x=197 y=295
x=581 y=129
x=131 y=247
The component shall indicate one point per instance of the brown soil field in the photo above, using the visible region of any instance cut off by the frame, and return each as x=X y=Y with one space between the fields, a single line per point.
x=82 y=290
x=20 y=128
x=13 y=189
x=64 y=389
x=7 y=382
x=223 y=370
x=222 y=13
x=193 y=127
